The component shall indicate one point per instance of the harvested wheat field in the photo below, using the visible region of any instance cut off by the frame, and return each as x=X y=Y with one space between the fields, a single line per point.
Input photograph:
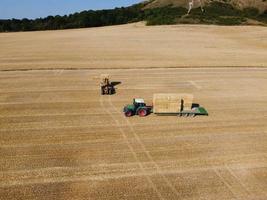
x=61 y=140
x=136 y=46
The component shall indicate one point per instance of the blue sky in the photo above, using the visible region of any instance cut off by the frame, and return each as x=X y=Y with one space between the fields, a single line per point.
x=42 y=8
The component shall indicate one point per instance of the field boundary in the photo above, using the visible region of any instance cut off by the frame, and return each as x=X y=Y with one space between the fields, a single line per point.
x=133 y=68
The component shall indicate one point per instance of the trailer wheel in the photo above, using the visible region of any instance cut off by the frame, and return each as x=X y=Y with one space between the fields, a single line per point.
x=192 y=115
x=142 y=112
x=186 y=115
x=128 y=113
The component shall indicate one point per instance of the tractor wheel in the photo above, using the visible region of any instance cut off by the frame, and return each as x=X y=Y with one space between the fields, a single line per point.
x=128 y=113
x=142 y=112
x=111 y=90
x=102 y=90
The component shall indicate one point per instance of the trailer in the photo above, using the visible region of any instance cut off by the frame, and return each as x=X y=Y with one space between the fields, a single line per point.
x=176 y=104
x=166 y=104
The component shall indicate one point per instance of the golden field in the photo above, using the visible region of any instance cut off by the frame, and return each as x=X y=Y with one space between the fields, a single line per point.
x=136 y=46
x=60 y=139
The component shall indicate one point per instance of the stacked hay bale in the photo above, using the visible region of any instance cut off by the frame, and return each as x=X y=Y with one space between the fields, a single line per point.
x=172 y=103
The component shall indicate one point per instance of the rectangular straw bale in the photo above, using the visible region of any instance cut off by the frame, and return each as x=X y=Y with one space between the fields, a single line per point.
x=103 y=76
x=171 y=103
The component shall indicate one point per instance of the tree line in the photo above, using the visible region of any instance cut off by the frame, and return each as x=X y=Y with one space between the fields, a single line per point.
x=215 y=13
x=83 y=19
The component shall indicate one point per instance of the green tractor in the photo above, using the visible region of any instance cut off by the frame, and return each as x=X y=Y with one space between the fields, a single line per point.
x=137 y=108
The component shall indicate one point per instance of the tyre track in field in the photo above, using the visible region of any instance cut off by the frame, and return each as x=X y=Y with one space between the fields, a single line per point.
x=237 y=179
x=137 y=138
x=149 y=180
x=226 y=184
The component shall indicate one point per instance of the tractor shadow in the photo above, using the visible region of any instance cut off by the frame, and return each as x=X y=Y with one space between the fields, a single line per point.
x=113 y=84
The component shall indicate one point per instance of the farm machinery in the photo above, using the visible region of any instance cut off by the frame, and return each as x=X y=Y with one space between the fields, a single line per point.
x=107 y=88
x=138 y=107
x=166 y=104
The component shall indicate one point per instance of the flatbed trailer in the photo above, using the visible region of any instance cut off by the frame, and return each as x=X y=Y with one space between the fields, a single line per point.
x=180 y=104
x=185 y=113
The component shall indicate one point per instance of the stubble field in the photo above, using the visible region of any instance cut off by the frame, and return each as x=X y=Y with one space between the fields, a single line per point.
x=136 y=46
x=60 y=139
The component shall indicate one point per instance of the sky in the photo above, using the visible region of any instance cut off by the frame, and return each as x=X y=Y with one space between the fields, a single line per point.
x=41 y=8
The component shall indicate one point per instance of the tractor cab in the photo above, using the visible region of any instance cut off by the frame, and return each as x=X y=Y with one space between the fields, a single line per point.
x=137 y=108
x=138 y=102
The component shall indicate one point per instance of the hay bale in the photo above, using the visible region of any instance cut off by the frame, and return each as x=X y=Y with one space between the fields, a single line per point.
x=172 y=103
x=104 y=79
x=104 y=76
